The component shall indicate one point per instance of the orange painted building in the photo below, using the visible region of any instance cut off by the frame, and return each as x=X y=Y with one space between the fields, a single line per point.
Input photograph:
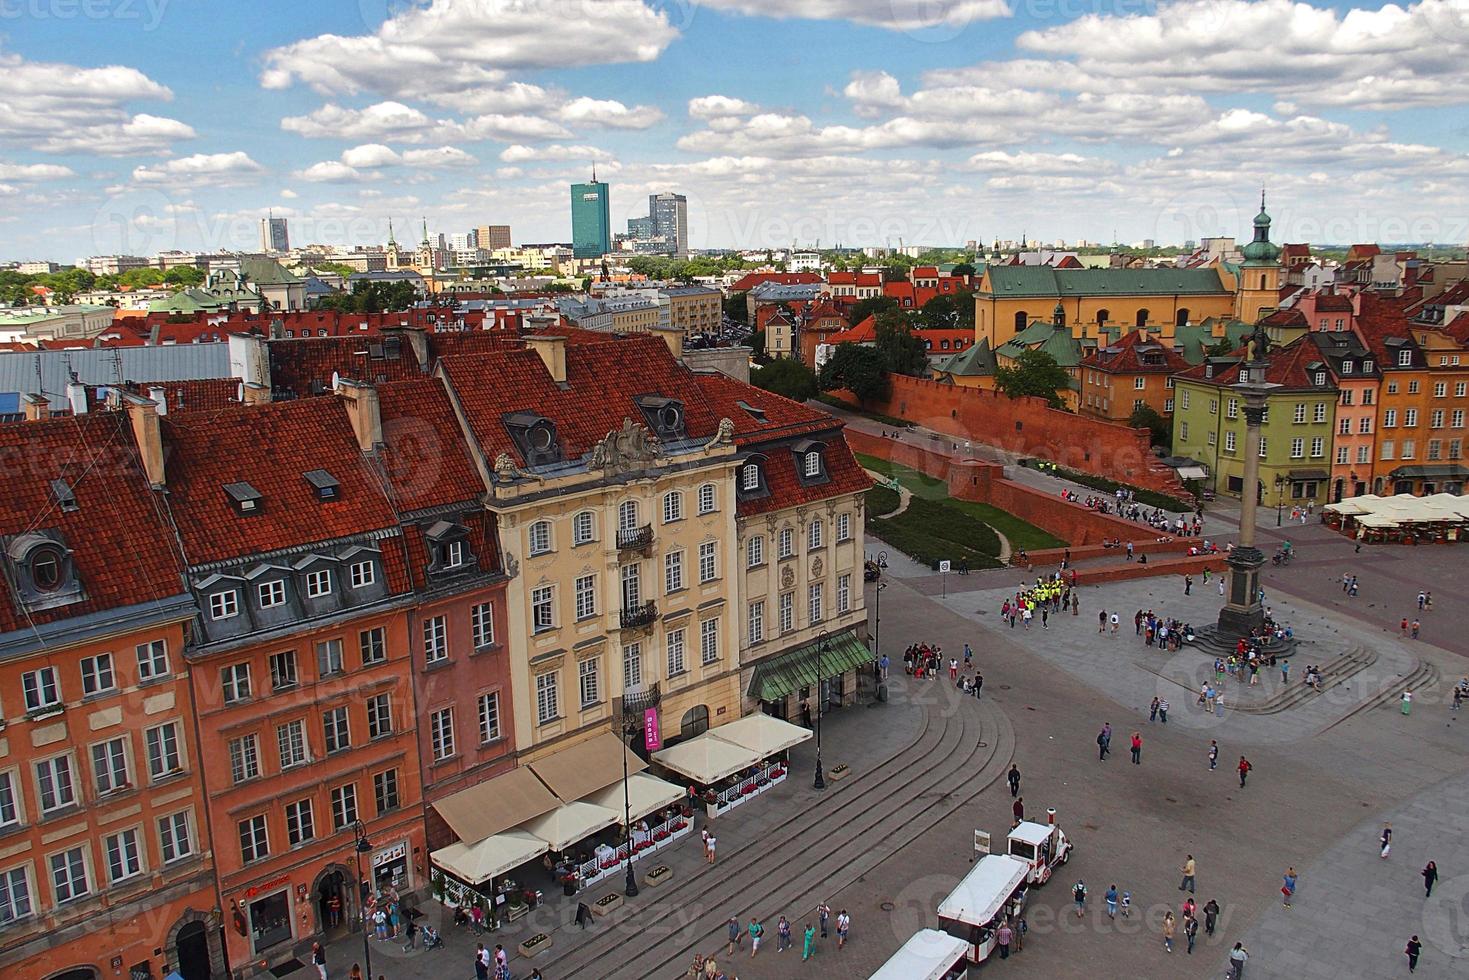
x=1135 y=371
x=105 y=854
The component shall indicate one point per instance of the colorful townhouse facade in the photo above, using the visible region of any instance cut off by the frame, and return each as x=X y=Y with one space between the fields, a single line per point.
x=1134 y=372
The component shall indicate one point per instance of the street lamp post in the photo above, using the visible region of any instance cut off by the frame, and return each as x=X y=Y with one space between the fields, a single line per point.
x=1279 y=496
x=882 y=562
x=823 y=643
x=360 y=846
x=628 y=730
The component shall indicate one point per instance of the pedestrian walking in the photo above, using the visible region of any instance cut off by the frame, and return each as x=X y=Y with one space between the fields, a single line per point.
x=1102 y=621
x=1221 y=585
x=1190 y=931
x=1188 y=584
x=1237 y=958
x=1113 y=620
x=1244 y=770
x=1430 y=875
x=1385 y=839
x=844 y=926
x=809 y=945
x=1018 y=808
x=1414 y=949
x=1218 y=704
x=1213 y=754
x=953 y=669
x=1211 y=915
x=1078 y=895
x=318 y=959
x=1163 y=710
x=481 y=962
x=733 y=925
x=1104 y=743
x=1111 y=897
x=1407 y=702
x=1403 y=626
x=756 y=932
x=1414 y=629
x=1287 y=887
x=1003 y=937
x=1285 y=672
x=1014 y=779
x=1137 y=748
x=1153 y=711
x=1126 y=904
x=823 y=914
x=782 y=935
x=1188 y=875
x=710 y=845
x=1170 y=924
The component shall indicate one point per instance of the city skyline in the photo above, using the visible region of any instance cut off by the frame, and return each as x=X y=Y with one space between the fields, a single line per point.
x=936 y=123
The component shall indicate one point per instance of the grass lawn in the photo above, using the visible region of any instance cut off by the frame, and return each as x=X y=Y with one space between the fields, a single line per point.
x=1021 y=534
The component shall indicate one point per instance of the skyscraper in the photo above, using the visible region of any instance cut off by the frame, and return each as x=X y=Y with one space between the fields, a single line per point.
x=591 y=219
x=493 y=236
x=670 y=214
x=273 y=237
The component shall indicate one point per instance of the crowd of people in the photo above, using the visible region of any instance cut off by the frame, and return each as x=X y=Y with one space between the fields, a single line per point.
x=1123 y=504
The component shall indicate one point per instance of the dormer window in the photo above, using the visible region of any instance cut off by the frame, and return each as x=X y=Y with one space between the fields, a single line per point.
x=40 y=570
x=449 y=547
x=1346 y=367
x=752 y=480
x=1321 y=377
x=750 y=476
x=323 y=484
x=224 y=605
x=244 y=498
x=62 y=493
x=1405 y=358
x=453 y=554
x=318 y=583
x=1367 y=367
x=810 y=462
x=535 y=436
x=665 y=416
x=46 y=563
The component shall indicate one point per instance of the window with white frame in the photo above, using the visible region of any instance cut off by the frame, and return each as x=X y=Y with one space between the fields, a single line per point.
x=9 y=800
x=540 y=537
x=787 y=611
x=1440 y=389
x=152 y=660
x=110 y=766
x=1364 y=454
x=1344 y=426
x=1318 y=414
x=1318 y=447
x=97 y=675
x=708 y=561
x=676 y=662
x=336 y=731
x=757 y=621
x=1389 y=418
x=69 y=875
x=224 y=605
x=1364 y=425
x=548 y=704
x=672 y=506
x=1231 y=407
x=124 y=856
x=42 y=689
x=1388 y=449
x=632 y=665
x=435 y=639
x=362 y=574
x=175 y=837
x=372 y=645
x=271 y=594
x=1297 y=448
x=15 y=895
x=1139 y=383
x=318 y=583
x=1456 y=419
x=441 y=733
x=1183 y=430
x=706 y=498
x=1435 y=419
x=379 y=716
x=844 y=527
x=482 y=624
x=755 y=551
x=283 y=670
x=1410 y=418
x=1409 y=450
x=489 y=717
x=453 y=552
x=329 y=657
x=586 y=596
x=300 y=822
x=344 y=806
x=1183 y=397
x=291 y=743
x=627 y=515
x=1300 y=414
x=1460 y=388
x=234 y=682
x=811 y=464
x=815 y=533
x=1405 y=358
x=1264 y=450
x=385 y=790
x=709 y=641
x=672 y=572
x=750 y=476
x=543 y=608
x=164 y=755
x=587 y=682
x=53 y=778
x=1229 y=439
x=581 y=528
x=844 y=593
x=1343 y=455
x=1320 y=378
x=813 y=603
x=786 y=543
x=244 y=758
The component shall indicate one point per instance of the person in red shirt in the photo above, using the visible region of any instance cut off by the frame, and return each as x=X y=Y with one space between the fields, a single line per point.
x=1244 y=770
x=1137 y=748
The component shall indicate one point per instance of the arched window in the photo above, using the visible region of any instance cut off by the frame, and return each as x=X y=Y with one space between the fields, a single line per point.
x=1102 y=317
x=627 y=515
x=695 y=722
x=1022 y=320
x=672 y=506
x=750 y=476
x=582 y=528
x=1262 y=281
x=1142 y=318
x=540 y=537
x=1181 y=320
x=706 y=498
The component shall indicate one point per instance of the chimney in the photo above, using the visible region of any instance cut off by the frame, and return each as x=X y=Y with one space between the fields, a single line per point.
x=417 y=338
x=254 y=394
x=364 y=411
x=249 y=359
x=148 y=434
x=37 y=407
x=76 y=393
x=159 y=397
x=673 y=337
x=553 y=353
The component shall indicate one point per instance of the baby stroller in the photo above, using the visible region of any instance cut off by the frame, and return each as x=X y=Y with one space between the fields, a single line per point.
x=432 y=939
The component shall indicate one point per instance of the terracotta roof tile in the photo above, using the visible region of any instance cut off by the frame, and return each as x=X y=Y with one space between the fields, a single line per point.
x=782 y=417
x=302 y=367
x=787 y=490
x=1126 y=356
x=424 y=452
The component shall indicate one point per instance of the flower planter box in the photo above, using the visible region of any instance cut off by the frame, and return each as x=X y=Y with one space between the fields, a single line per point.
x=514 y=912
x=605 y=904
x=538 y=943
x=838 y=772
x=658 y=875
x=712 y=810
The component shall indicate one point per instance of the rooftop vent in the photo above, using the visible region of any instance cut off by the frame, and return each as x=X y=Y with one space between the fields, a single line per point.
x=758 y=414
x=245 y=498
x=324 y=484
x=61 y=491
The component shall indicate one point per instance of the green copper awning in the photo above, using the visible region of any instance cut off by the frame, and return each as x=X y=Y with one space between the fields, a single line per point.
x=788 y=672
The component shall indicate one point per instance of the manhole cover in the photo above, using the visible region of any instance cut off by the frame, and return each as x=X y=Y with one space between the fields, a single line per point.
x=887 y=906
x=1004 y=687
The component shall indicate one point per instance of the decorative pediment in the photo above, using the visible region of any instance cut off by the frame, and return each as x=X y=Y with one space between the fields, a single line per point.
x=631 y=447
x=725 y=435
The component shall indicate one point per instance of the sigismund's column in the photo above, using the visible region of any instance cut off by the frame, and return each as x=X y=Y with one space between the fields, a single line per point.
x=1243 y=612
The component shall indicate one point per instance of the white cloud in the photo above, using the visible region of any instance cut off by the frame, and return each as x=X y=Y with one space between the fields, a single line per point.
x=34 y=171
x=289 y=194
x=365 y=162
x=50 y=107
x=370 y=155
x=509 y=128
x=720 y=107
x=873 y=91
x=608 y=113
x=217 y=169
x=902 y=15
x=438 y=157
x=557 y=151
x=329 y=171
x=462 y=44
x=381 y=121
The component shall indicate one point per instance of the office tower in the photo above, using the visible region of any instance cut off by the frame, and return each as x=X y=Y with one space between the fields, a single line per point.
x=670 y=214
x=493 y=236
x=591 y=219
x=273 y=237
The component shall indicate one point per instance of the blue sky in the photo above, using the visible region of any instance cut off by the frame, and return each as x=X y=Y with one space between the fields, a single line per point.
x=140 y=125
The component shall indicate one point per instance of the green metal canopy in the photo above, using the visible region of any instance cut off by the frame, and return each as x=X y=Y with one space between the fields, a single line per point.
x=788 y=672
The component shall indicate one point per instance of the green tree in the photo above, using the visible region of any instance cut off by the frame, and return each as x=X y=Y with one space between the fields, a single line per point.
x=1219 y=349
x=184 y=275
x=962 y=269
x=860 y=370
x=948 y=311
x=1160 y=430
x=734 y=307
x=372 y=297
x=787 y=377
x=1034 y=373
x=901 y=349
x=757 y=347
x=872 y=306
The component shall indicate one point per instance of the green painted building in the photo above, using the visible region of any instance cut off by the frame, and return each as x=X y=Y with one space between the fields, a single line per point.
x=1296 y=438
x=591 y=219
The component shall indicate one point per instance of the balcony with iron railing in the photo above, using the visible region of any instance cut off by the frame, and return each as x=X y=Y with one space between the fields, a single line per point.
x=641 y=698
x=635 y=538
x=639 y=616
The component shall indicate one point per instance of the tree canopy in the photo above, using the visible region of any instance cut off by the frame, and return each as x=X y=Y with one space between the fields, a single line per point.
x=787 y=377
x=947 y=311
x=873 y=305
x=860 y=370
x=902 y=350
x=372 y=297
x=1034 y=373
x=1160 y=430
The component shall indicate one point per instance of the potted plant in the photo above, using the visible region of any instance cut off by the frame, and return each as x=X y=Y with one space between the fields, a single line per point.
x=438 y=884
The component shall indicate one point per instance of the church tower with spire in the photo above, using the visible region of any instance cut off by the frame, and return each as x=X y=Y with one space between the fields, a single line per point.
x=1258 y=290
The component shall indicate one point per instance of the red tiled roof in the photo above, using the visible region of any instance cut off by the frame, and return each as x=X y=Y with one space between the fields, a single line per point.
x=424 y=452
x=199 y=395
x=122 y=550
x=749 y=281
x=1126 y=356
x=298 y=364
x=1333 y=303
x=1292 y=317
x=1287 y=366
x=602 y=381
x=270 y=447
x=1070 y=262
x=1458 y=328
x=783 y=417
x=787 y=490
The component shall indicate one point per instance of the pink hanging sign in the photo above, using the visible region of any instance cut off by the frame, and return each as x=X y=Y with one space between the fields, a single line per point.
x=651 y=736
